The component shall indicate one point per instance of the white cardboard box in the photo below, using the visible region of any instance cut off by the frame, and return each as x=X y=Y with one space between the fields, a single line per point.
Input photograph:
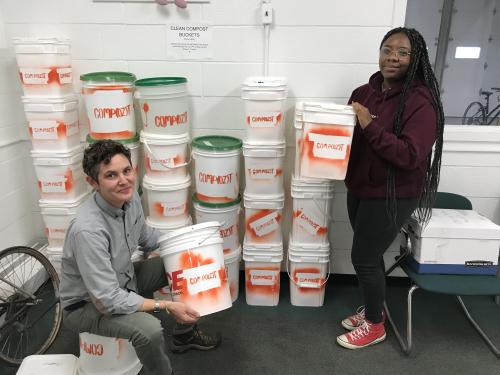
x=455 y=242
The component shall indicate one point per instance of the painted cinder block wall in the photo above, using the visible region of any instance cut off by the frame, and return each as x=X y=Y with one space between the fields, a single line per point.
x=325 y=51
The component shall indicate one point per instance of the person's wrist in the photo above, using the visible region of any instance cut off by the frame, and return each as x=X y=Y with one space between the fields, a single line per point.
x=166 y=307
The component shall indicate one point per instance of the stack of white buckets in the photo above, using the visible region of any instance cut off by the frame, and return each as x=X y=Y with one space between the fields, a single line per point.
x=51 y=109
x=264 y=153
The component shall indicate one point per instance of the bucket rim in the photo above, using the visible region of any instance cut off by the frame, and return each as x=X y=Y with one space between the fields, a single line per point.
x=48 y=204
x=69 y=153
x=183 y=231
x=108 y=77
x=265 y=82
x=235 y=202
x=232 y=255
x=152 y=184
x=160 y=81
x=165 y=226
x=263 y=197
x=217 y=143
x=164 y=139
x=135 y=139
x=63 y=99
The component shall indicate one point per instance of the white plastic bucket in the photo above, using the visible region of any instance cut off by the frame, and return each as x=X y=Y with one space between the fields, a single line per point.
x=44 y=66
x=232 y=263
x=262 y=273
x=311 y=211
x=217 y=168
x=167 y=228
x=107 y=356
x=167 y=203
x=324 y=140
x=53 y=364
x=164 y=105
x=109 y=102
x=52 y=122
x=60 y=175
x=57 y=217
x=264 y=99
x=308 y=270
x=166 y=158
x=194 y=263
x=264 y=167
x=227 y=214
x=263 y=217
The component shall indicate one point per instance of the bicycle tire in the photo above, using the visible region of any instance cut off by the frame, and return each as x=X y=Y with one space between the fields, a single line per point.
x=474 y=114
x=35 y=326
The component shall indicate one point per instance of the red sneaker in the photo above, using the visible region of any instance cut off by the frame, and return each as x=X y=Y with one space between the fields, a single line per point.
x=356 y=320
x=365 y=335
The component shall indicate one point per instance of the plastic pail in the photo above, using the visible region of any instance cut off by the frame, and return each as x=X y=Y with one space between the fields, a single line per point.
x=166 y=157
x=262 y=273
x=232 y=262
x=109 y=102
x=165 y=228
x=164 y=105
x=228 y=216
x=57 y=216
x=44 y=66
x=264 y=167
x=53 y=122
x=263 y=217
x=194 y=263
x=167 y=203
x=60 y=175
x=53 y=364
x=107 y=356
x=325 y=144
x=264 y=99
x=216 y=168
x=308 y=269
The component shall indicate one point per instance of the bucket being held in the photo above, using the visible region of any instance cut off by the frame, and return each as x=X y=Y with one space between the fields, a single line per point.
x=194 y=263
x=109 y=101
x=164 y=105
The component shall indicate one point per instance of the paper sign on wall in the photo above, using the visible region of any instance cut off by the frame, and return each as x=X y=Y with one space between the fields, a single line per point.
x=189 y=41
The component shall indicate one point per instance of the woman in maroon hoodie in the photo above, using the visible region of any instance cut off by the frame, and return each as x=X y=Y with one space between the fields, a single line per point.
x=392 y=168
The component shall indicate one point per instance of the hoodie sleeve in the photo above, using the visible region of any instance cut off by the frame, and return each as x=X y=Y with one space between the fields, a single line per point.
x=414 y=144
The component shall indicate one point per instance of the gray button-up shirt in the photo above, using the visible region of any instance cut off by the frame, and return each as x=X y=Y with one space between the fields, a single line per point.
x=96 y=261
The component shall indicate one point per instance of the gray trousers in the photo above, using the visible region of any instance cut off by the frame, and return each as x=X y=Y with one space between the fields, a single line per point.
x=142 y=329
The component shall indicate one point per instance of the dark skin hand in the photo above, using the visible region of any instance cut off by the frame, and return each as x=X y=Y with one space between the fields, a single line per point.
x=364 y=116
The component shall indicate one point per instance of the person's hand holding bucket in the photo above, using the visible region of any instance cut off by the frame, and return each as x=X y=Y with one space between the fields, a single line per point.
x=182 y=313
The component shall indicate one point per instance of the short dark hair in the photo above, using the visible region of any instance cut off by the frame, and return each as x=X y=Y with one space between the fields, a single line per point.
x=102 y=151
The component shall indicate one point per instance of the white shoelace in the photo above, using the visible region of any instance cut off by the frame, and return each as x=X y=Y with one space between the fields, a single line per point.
x=361 y=331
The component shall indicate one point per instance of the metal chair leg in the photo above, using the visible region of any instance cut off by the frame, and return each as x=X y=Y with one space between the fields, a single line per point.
x=488 y=341
x=405 y=344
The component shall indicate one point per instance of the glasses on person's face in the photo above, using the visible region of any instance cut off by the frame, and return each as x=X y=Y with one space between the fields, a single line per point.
x=400 y=52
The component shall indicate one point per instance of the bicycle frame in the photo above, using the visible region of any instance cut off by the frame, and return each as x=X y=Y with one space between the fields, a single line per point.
x=492 y=116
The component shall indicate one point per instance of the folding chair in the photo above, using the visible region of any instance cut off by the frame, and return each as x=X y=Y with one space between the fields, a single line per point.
x=456 y=285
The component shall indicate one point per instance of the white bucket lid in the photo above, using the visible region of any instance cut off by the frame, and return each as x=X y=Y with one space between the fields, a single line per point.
x=311 y=181
x=262 y=257
x=264 y=150
x=54 y=364
x=191 y=237
x=265 y=83
x=297 y=246
x=233 y=255
x=48 y=104
x=259 y=201
x=164 y=139
x=71 y=156
x=327 y=108
x=187 y=231
x=169 y=226
x=159 y=185
x=271 y=247
x=301 y=257
x=329 y=113
x=41 y=45
x=63 y=208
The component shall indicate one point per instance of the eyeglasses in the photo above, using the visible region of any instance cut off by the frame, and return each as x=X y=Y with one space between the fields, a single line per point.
x=400 y=52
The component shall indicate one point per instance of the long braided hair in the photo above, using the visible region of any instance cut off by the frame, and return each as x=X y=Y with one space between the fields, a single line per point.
x=420 y=67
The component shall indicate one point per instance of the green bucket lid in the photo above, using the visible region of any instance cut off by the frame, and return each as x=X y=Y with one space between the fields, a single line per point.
x=108 y=77
x=216 y=205
x=160 y=81
x=217 y=143
x=91 y=140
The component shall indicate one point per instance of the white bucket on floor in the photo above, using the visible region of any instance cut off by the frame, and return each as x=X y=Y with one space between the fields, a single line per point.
x=227 y=214
x=44 y=66
x=311 y=211
x=164 y=105
x=109 y=101
x=166 y=157
x=194 y=263
x=308 y=270
x=262 y=273
x=167 y=203
x=217 y=168
x=325 y=134
x=60 y=174
x=263 y=218
x=107 y=356
x=57 y=216
x=53 y=364
x=52 y=122
x=264 y=99
x=232 y=262
x=264 y=167
x=165 y=228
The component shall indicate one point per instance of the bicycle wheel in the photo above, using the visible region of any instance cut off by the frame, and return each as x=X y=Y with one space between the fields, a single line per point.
x=475 y=114
x=30 y=311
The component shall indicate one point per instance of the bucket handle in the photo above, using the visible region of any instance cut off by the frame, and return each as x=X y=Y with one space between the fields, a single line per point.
x=307 y=285
x=164 y=165
x=222 y=223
